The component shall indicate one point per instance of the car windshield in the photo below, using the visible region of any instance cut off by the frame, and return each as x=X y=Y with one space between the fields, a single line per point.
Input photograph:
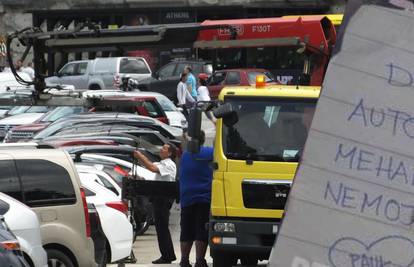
x=165 y=103
x=60 y=112
x=283 y=125
x=132 y=65
x=28 y=109
x=252 y=77
x=53 y=128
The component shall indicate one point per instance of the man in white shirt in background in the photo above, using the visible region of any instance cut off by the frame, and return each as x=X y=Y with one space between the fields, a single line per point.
x=167 y=171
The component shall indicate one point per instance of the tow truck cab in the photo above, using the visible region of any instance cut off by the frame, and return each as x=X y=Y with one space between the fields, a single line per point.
x=257 y=148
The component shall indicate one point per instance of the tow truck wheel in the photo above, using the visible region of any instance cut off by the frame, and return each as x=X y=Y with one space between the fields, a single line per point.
x=248 y=261
x=223 y=260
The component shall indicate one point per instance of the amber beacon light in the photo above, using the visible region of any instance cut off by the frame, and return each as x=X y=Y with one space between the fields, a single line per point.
x=260 y=81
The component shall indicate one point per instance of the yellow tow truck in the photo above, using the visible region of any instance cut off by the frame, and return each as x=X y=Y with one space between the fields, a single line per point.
x=260 y=135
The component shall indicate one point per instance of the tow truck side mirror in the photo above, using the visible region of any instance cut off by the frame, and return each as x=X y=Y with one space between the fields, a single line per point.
x=223 y=111
x=227 y=113
x=194 y=130
x=194 y=123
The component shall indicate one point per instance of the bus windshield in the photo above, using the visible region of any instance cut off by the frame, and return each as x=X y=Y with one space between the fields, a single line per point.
x=268 y=129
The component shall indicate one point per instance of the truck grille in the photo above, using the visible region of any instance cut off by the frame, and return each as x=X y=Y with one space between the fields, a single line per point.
x=15 y=135
x=265 y=194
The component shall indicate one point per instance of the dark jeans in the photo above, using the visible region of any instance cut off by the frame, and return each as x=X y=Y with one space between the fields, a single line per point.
x=162 y=208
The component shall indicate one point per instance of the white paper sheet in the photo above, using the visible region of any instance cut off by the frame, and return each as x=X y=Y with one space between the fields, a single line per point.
x=352 y=200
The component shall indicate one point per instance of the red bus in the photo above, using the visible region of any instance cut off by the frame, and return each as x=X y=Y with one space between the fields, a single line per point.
x=295 y=49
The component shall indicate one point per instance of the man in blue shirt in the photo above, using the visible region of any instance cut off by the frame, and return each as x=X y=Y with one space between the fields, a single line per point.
x=196 y=176
x=191 y=81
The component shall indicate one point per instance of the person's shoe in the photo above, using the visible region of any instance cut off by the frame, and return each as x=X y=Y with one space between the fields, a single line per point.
x=162 y=261
x=185 y=264
x=201 y=263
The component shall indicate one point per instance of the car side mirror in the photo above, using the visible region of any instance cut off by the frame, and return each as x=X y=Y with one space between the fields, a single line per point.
x=156 y=75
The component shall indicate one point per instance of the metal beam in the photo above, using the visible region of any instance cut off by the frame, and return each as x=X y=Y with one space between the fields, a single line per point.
x=289 y=41
x=119 y=41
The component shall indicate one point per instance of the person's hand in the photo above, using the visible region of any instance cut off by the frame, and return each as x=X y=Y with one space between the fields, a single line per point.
x=137 y=154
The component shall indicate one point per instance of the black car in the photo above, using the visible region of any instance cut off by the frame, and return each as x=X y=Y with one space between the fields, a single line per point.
x=165 y=80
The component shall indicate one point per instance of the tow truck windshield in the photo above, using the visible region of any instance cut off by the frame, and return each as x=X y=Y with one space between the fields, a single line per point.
x=268 y=129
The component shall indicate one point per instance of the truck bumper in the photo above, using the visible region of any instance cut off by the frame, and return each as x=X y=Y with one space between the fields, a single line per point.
x=249 y=238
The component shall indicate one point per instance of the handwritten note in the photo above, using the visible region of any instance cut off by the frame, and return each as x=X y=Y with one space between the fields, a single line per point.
x=352 y=201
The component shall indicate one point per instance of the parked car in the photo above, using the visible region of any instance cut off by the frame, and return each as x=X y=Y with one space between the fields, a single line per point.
x=48 y=182
x=8 y=123
x=26 y=131
x=165 y=80
x=120 y=152
x=80 y=131
x=140 y=207
x=100 y=119
x=113 y=215
x=174 y=115
x=9 y=82
x=17 y=94
x=97 y=174
x=10 y=253
x=235 y=77
x=24 y=224
x=101 y=73
x=149 y=104
x=16 y=110
x=97 y=233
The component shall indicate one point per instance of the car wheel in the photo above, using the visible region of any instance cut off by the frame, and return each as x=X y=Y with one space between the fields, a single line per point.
x=94 y=87
x=56 y=258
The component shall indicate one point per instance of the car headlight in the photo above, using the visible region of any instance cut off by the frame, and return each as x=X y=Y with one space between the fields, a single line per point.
x=224 y=227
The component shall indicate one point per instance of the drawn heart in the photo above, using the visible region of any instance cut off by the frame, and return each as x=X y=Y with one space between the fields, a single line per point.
x=388 y=251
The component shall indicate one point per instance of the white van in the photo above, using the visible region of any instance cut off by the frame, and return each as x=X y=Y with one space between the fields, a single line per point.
x=101 y=73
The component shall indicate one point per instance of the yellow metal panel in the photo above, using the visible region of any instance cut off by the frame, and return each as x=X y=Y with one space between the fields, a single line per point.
x=336 y=19
x=272 y=90
x=218 y=203
x=238 y=171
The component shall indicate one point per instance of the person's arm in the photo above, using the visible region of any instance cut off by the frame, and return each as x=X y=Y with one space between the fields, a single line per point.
x=189 y=97
x=146 y=162
x=180 y=94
